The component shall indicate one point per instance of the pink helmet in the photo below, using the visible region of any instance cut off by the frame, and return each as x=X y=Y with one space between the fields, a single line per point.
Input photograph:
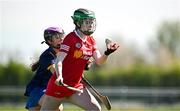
x=50 y=31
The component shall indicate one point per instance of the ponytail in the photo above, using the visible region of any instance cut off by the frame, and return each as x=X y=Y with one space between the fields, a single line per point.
x=35 y=66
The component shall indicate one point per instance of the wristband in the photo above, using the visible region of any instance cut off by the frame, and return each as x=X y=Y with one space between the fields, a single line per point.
x=106 y=53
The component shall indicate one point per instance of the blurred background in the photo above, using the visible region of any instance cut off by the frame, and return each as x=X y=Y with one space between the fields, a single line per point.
x=142 y=75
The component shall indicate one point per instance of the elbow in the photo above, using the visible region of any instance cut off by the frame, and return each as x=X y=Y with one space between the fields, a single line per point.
x=99 y=63
x=58 y=63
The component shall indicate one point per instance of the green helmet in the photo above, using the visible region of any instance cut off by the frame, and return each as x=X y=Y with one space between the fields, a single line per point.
x=80 y=15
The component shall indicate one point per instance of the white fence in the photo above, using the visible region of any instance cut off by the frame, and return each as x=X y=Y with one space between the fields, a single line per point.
x=145 y=94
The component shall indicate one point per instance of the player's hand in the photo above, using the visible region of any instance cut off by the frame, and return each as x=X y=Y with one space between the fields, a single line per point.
x=59 y=81
x=111 y=47
x=89 y=63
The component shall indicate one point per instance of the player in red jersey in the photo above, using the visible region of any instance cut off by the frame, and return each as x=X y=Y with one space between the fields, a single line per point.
x=75 y=51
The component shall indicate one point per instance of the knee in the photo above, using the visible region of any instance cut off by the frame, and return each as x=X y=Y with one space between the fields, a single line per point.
x=60 y=108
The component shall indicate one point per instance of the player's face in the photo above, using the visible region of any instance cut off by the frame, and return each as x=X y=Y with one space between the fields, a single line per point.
x=57 y=40
x=88 y=24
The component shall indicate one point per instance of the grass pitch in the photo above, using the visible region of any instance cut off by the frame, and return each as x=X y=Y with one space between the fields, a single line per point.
x=67 y=107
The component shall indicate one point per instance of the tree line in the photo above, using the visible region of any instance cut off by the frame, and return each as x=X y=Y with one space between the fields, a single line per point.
x=16 y=74
x=163 y=72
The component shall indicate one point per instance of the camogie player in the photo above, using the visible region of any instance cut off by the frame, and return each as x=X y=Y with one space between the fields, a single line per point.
x=75 y=51
x=44 y=68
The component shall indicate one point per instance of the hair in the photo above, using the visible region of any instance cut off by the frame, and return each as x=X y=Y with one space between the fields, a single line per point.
x=35 y=66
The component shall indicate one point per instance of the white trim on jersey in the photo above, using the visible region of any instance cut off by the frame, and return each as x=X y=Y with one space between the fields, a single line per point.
x=64 y=47
x=84 y=40
x=96 y=54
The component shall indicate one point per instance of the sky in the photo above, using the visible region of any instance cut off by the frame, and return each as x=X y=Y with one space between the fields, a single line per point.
x=22 y=22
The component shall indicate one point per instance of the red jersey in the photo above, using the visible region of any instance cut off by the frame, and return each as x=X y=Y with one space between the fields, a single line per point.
x=78 y=54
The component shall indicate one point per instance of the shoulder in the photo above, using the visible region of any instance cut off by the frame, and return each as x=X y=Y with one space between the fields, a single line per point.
x=70 y=38
x=47 y=53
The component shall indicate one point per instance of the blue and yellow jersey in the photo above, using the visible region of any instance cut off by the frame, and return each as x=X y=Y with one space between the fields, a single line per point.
x=43 y=73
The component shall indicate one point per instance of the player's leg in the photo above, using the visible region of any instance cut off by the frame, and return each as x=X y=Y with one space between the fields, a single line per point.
x=36 y=108
x=34 y=98
x=34 y=105
x=50 y=103
x=41 y=100
x=60 y=107
x=85 y=100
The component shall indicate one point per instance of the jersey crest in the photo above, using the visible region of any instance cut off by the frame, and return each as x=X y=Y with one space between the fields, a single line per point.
x=78 y=53
x=78 y=45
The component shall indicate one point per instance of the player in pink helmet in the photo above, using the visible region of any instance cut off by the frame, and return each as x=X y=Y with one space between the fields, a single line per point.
x=43 y=68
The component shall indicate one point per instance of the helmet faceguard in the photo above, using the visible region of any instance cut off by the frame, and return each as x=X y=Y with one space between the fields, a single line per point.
x=85 y=21
x=50 y=32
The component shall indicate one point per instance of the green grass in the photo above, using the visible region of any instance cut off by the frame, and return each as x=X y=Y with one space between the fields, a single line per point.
x=10 y=107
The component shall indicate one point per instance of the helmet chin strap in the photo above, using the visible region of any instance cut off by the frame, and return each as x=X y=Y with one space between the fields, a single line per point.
x=78 y=27
x=86 y=32
x=56 y=47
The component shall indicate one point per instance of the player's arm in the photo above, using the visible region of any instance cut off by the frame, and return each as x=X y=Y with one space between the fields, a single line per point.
x=52 y=68
x=99 y=59
x=89 y=63
x=111 y=47
x=58 y=66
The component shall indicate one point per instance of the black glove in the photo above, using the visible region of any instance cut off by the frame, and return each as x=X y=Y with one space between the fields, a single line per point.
x=88 y=65
x=109 y=51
